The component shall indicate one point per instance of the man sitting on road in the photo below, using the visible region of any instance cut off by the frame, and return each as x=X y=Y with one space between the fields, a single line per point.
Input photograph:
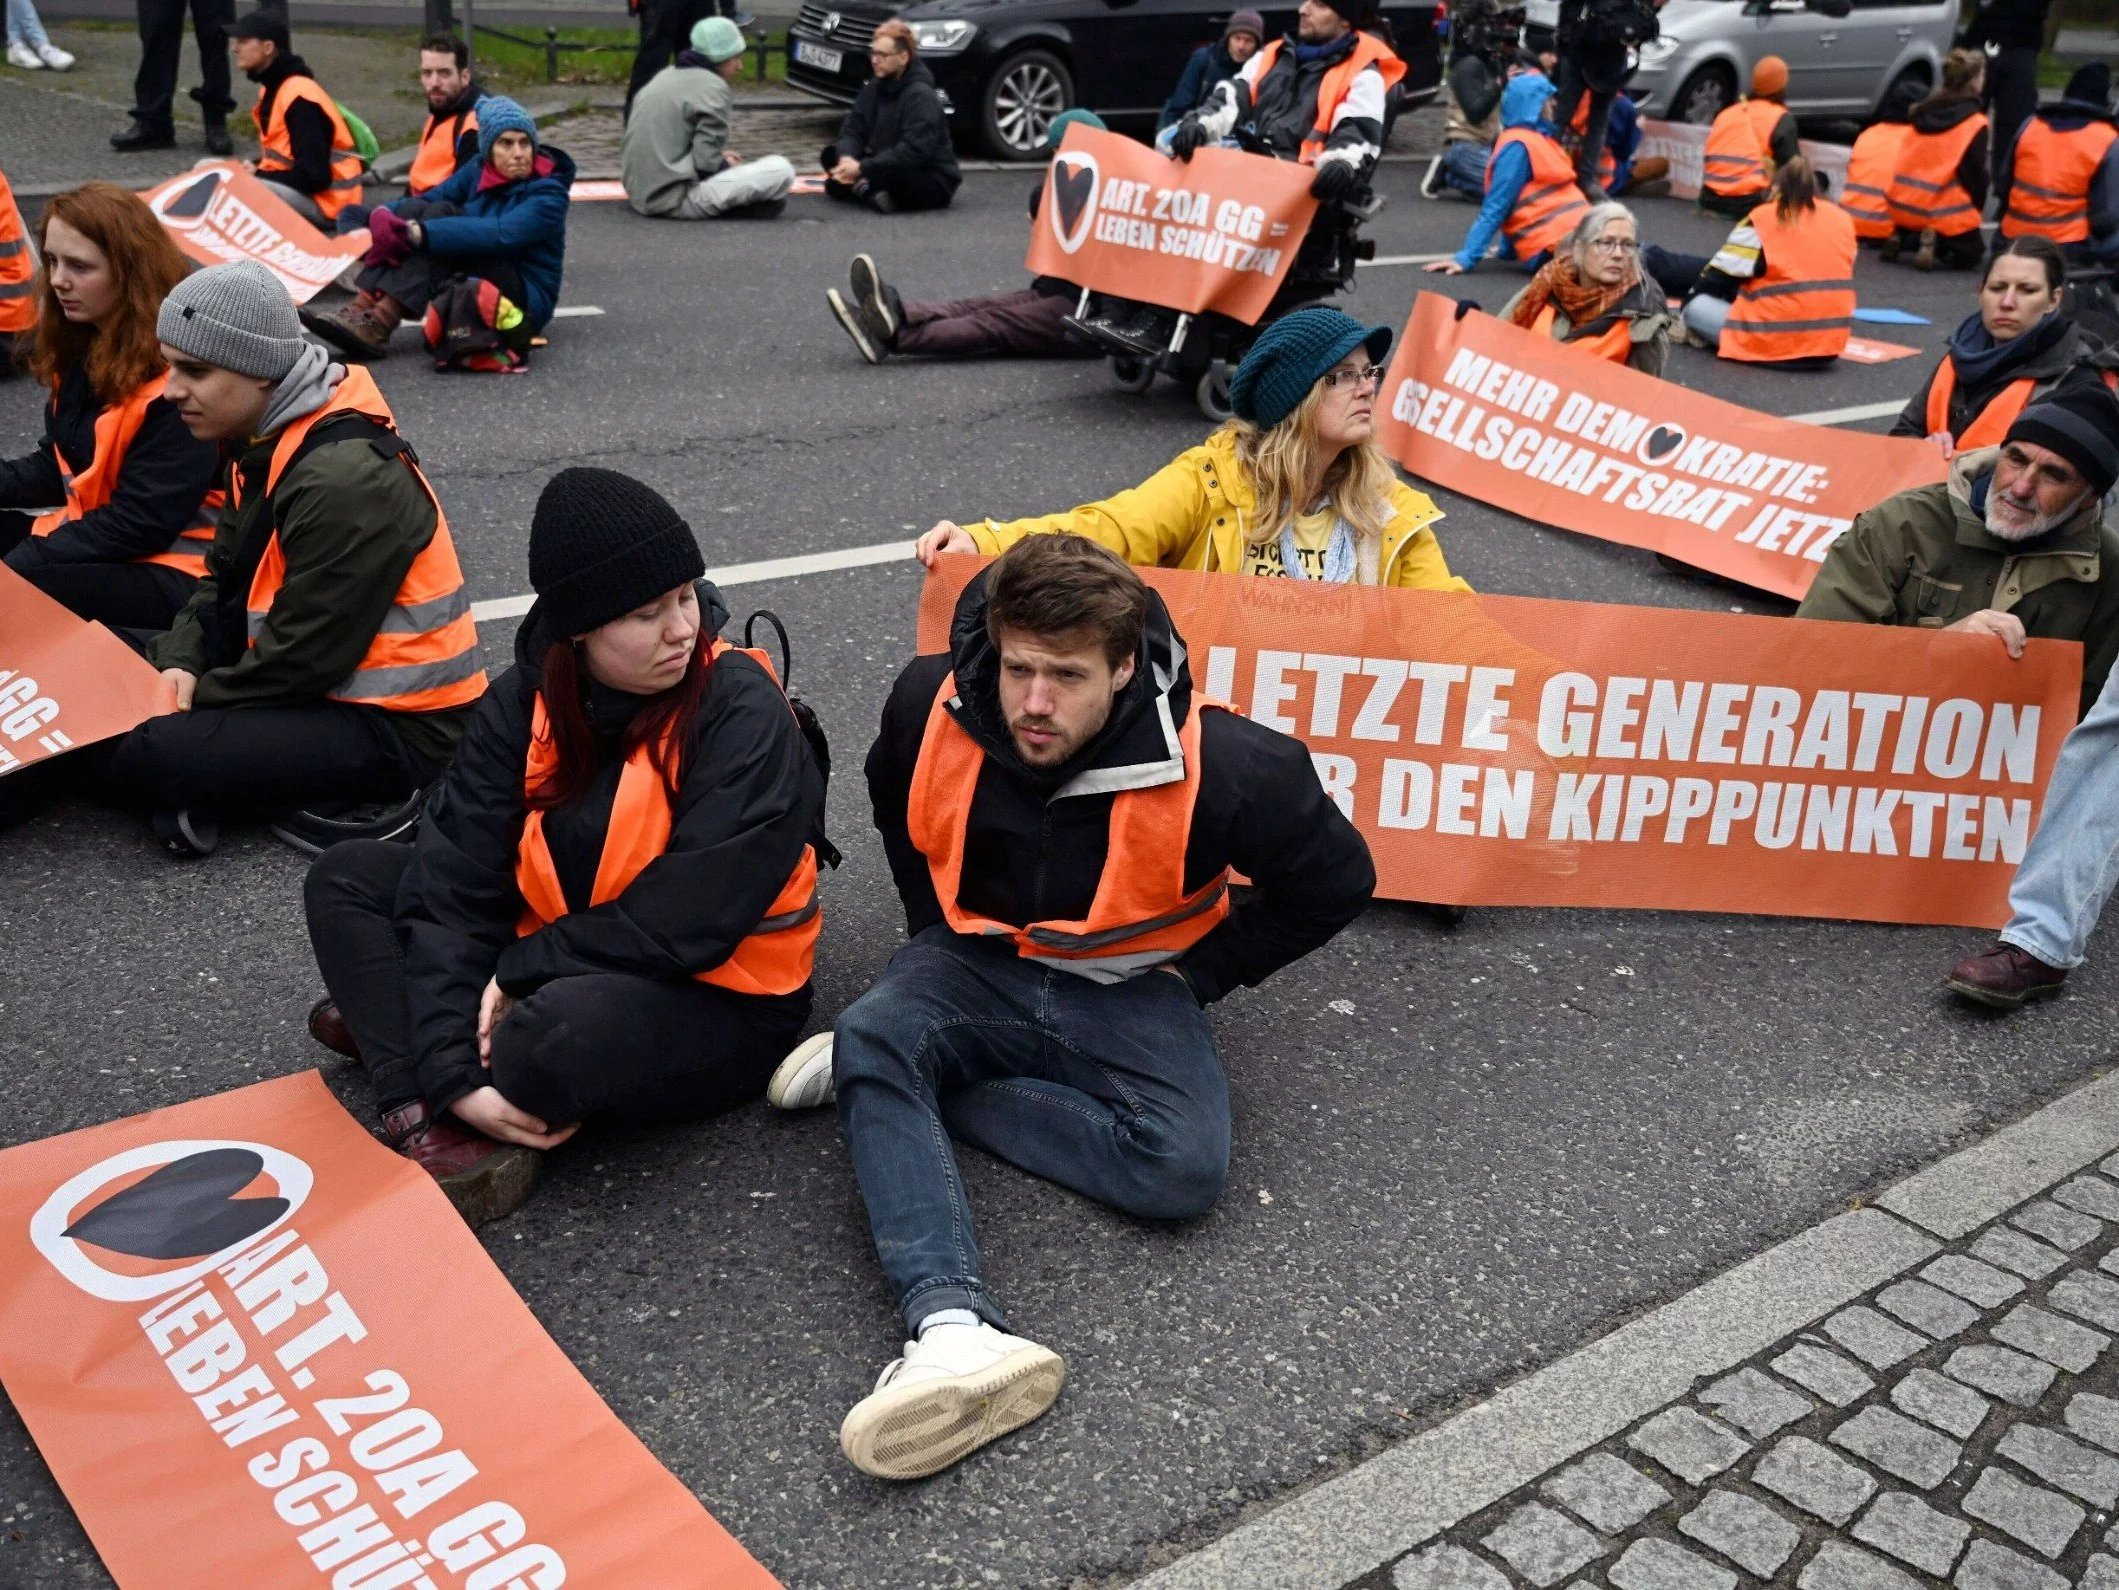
x=306 y=154
x=675 y=159
x=449 y=138
x=1027 y=324
x=893 y=149
x=1747 y=143
x=2012 y=545
x=1062 y=810
x=2060 y=179
x=1532 y=199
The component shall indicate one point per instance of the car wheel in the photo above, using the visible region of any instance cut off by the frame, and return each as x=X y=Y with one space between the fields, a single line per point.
x=1907 y=89
x=1706 y=94
x=1024 y=95
x=1133 y=375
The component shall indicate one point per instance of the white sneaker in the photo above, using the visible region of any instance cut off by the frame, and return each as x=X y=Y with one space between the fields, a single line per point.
x=23 y=56
x=956 y=1388
x=803 y=1080
x=55 y=58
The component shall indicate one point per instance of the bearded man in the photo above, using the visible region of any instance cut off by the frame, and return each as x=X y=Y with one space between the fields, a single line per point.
x=2012 y=545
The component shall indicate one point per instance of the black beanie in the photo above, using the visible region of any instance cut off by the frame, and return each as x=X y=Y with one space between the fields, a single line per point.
x=2080 y=423
x=602 y=544
x=2091 y=85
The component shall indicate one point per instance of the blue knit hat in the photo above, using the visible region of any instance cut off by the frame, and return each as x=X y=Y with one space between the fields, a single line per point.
x=498 y=114
x=1292 y=355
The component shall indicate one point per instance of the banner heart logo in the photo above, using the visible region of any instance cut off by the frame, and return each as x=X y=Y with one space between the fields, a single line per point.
x=1661 y=442
x=194 y=199
x=1074 y=180
x=185 y=1210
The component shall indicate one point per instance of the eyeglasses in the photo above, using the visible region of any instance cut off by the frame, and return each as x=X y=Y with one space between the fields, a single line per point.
x=1615 y=245
x=882 y=53
x=1367 y=375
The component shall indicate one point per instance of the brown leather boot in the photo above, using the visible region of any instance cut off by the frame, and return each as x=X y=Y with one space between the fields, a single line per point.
x=2004 y=977
x=482 y=1178
x=329 y=1028
x=360 y=330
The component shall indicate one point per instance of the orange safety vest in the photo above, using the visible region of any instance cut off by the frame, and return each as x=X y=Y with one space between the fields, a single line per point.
x=1803 y=306
x=92 y=488
x=1869 y=167
x=276 y=149
x=1613 y=343
x=1550 y=205
x=2049 y=183
x=436 y=161
x=1607 y=164
x=775 y=957
x=425 y=655
x=18 y=267
x=1924 y=189
x=1738 y=160
x=1368 y=51
x=1141 y=916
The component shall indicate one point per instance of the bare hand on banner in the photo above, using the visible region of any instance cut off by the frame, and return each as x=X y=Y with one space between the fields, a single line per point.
x=2004 y=627
x=184 y=684
x=485 y=1110
x=944 y=537
x=1447 y=267
x=1945 y=441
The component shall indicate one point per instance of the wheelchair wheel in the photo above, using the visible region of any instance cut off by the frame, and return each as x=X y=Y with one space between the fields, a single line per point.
x=1132 y=375
x=1212 y=392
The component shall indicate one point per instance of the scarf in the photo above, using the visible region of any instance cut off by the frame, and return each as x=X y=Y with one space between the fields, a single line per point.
x=1307 y=54
x=1556 y=284
x=1338 y=554
x=1983 y=363
x=304 y=389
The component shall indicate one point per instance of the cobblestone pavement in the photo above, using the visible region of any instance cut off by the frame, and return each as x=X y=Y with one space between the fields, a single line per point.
x=592 y=137
x=1957 y=1426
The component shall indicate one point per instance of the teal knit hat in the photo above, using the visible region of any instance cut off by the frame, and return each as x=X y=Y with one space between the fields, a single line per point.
x=1292 y=355
x=717 y=38
x=498 y=114
x=1069 y=118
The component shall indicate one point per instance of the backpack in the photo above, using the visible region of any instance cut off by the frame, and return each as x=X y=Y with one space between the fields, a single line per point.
x=364 y=141
x=806 y=720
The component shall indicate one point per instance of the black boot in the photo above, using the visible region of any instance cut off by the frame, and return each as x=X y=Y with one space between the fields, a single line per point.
x=140 y=136
x=217 y=140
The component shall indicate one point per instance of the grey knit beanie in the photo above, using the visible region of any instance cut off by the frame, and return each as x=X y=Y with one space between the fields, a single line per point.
x=236 y=316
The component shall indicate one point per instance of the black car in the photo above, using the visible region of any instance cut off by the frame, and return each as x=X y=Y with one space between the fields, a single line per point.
x=1007 y=67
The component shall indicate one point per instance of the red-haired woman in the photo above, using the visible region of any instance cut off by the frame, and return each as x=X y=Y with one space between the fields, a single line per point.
x=129 y=489
x=611 y=908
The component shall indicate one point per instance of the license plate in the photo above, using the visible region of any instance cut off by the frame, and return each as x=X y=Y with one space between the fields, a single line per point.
x=816 y=55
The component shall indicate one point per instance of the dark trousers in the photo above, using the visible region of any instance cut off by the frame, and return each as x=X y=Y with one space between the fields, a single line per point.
x=1572 y=81
x=1112 y=1090
x=1734 y=205
x=415 y=280
x=917 y=189
x=1677 y=274
x=2012 y=95
x=608 y=1045
x=1022 y=325
x=154 y=86
x=1958 y=253
x=665 y=28
x=145 y=596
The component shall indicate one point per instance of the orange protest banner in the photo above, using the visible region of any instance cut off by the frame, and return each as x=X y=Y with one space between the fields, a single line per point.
x=259 y=1349
x=1499 y=750
x=1216 y=232
x=65 y=682
x=1563 y=437
x=218 y=212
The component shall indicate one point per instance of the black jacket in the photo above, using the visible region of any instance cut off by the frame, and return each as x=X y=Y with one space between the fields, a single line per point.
x=1034 y=852
x=2007 y=25
x=2054 y=351
x=749 y=801
x=166 y=475
x=897 y=124
x=1939 y=116
x=308 y=128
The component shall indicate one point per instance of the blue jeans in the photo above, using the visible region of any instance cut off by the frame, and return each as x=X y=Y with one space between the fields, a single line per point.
x=23 y=27
x=1464 y=167
x=2073 y=859
x=1110 y=1089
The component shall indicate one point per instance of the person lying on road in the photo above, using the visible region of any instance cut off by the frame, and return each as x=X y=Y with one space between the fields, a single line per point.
x=610 y=910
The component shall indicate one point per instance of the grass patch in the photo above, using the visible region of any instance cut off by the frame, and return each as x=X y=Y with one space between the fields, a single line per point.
x=598 y=56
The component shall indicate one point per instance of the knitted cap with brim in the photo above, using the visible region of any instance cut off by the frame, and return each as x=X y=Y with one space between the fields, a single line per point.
x=237 y=316
x=1292 y=355
x=498 y=114
x=602 y=544
x=717 y=38
x=2081 y=424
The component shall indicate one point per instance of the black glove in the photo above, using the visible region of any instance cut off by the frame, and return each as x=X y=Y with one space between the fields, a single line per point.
x=1335 y=179
x=1190 y=135
x=1466 y=306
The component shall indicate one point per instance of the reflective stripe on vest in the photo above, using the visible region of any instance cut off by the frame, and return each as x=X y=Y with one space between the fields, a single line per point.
x=1924 y=190
x=276 y=149
x=1368 y=51
x=775 y=957
x=424 y=655
x=18 y=268
x=1615 y=342
x=2049 y=184
x=436 y=161
x=1991 y=423
x=92 y=488
x=1803 y=307
x=1141 y=916
x=1738 y=160
x=1869 y=168
x=1550 y=205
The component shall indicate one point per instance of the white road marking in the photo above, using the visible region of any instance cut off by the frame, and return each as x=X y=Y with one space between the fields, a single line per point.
x=566 y=310
x=1860 y=411
x=1404 y=259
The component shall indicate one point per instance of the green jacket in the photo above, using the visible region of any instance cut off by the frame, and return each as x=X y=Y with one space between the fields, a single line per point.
x=350 y=523
x=1924 y=558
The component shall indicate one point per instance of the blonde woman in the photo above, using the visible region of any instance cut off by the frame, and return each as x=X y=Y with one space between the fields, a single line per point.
x=1293 y=486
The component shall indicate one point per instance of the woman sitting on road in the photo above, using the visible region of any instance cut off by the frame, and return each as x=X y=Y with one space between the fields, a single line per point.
x=1294 y=485
x=2012 y=352
x=1591 y=295
x=480 y=256
x=1938 y=187
x=129 y=544
x=610 y=910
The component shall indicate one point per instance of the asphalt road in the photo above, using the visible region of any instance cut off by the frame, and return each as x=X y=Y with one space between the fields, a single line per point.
x=1457 y=1153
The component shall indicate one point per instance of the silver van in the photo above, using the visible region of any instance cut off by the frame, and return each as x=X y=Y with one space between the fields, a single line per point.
x=1844 y=56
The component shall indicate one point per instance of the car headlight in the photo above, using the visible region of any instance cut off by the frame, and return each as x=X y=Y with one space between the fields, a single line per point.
x=940 y=38
x=1656 y=51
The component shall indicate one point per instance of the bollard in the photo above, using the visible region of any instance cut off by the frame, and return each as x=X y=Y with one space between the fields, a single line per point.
x=551 y=55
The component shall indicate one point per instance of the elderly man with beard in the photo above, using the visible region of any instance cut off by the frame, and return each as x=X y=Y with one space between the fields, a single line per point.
x=2012 y=545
